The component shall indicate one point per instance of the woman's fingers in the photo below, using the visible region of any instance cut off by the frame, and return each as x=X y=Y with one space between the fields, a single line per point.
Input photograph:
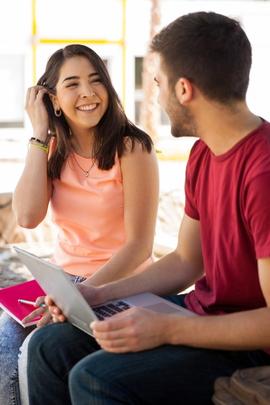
x=45 y=320
x=34 y=314
x=36 y=110
x=49 y=313
x=49 y=301
x=55 y=311
x=34 y=93
x=58 y=318
x=40 y=301
x=40 y=94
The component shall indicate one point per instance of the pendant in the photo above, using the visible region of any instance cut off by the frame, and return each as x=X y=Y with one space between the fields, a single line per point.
x=87 y=173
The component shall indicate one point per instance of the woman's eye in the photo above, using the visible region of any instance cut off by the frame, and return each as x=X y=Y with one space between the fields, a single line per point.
x=71 y=85
x=97 y=80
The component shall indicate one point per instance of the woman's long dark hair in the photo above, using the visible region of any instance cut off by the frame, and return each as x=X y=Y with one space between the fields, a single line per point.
x=112 y=130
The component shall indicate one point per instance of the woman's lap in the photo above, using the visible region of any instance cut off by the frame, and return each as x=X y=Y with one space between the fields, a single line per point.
x=23 y=357
x=12 y=336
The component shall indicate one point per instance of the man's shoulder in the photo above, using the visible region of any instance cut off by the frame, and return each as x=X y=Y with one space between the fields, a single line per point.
x=264 y=127
x=197 y=153
x=257 y=149
x=260 y=137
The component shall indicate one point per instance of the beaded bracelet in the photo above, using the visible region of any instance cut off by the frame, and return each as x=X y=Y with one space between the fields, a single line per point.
x=40 y=145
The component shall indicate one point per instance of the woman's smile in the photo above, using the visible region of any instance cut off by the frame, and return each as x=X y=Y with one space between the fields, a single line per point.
x=87 y=107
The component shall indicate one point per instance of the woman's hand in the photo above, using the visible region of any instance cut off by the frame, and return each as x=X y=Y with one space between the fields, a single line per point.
x=40 y=311
x=54 y=311
x=36 y=111
x=90 y=294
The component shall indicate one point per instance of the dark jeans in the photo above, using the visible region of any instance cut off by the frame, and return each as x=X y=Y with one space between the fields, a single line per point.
x=67 y=366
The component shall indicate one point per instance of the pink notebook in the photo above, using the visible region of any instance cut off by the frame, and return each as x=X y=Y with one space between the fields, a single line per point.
x=9 y=296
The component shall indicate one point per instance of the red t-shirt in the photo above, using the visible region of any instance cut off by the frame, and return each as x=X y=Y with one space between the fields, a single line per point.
x=230 y=195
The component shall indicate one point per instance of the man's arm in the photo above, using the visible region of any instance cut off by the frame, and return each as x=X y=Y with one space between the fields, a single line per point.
x=238 y=331
x=140 y=329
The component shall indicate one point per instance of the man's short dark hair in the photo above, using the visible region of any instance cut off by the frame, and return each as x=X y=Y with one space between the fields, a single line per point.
x=209 y=49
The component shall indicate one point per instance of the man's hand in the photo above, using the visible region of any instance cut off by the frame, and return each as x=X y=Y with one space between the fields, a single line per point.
x=133 y=330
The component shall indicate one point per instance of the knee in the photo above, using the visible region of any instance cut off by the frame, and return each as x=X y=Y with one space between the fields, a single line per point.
x=98 y=366
x=75 y=375
x=83 y=380
x=52 y=342
x=96 y=377
x=89 y=370
x=76 y=380
x=37 y=341
x=44 y=344
x=80 y=373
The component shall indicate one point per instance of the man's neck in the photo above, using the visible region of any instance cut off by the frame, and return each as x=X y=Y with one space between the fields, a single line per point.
x=222 y=127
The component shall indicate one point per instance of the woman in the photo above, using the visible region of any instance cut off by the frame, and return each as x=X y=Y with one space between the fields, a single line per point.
x=99 y=173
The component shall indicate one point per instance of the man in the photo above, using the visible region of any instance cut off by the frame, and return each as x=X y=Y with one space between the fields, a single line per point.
x=203 y=63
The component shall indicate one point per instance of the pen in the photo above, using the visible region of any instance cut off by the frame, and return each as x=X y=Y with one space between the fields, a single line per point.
x=27 y=302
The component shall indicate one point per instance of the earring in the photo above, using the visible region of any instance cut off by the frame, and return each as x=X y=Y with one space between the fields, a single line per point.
x=58 y=113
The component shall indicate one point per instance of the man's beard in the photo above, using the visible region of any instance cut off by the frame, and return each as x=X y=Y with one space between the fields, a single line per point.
x=183 y=124
x=181 y=131
x=182 y=121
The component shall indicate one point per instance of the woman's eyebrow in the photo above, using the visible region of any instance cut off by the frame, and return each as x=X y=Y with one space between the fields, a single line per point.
x=70 y=78
x=78 y=77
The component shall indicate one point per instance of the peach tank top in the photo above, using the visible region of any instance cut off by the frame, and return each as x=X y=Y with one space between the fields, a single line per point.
x=89 y=214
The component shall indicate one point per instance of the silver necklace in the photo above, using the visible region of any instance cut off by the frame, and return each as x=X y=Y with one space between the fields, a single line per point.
x=85 y=172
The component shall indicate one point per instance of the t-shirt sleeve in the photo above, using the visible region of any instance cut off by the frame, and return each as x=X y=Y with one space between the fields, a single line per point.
x=190 y=202
x=256 y=204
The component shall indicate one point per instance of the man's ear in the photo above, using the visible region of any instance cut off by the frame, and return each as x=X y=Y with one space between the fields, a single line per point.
x=183 y=90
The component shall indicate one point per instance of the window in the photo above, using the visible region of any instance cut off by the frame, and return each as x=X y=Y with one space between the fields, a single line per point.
x=12 y=91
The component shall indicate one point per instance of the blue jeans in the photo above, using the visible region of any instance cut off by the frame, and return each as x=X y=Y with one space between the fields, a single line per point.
x=66 y=366
x=12 y=336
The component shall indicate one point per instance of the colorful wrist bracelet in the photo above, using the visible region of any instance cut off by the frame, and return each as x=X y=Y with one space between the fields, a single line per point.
x=40 y=146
